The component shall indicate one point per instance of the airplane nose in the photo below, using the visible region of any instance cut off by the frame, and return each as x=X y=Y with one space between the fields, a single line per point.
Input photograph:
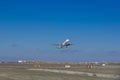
x=67 y=40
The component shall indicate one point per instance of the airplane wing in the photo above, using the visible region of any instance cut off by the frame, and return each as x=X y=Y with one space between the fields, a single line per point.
x=56 y=44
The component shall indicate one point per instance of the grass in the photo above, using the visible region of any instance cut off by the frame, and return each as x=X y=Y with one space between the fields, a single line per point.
x=19 y=72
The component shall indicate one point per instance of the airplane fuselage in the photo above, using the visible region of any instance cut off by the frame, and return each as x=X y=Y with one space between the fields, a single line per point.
x=65 y=44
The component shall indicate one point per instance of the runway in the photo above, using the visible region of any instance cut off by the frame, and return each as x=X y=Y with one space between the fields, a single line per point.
x=79 y=73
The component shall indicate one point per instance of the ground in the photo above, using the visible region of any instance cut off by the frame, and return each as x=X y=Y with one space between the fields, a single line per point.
x=17 y=71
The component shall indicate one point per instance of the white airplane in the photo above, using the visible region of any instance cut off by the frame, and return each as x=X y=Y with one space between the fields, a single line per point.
x=64 y=44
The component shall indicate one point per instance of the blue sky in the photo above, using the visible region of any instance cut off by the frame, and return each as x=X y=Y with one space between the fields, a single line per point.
x=28 y=28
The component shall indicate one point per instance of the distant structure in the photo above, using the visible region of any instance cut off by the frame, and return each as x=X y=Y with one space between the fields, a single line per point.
x=103 y=65
x=22 y=61
x=67 y=66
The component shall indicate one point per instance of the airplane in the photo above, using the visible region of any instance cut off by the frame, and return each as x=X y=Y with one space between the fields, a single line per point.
x=64 y=44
